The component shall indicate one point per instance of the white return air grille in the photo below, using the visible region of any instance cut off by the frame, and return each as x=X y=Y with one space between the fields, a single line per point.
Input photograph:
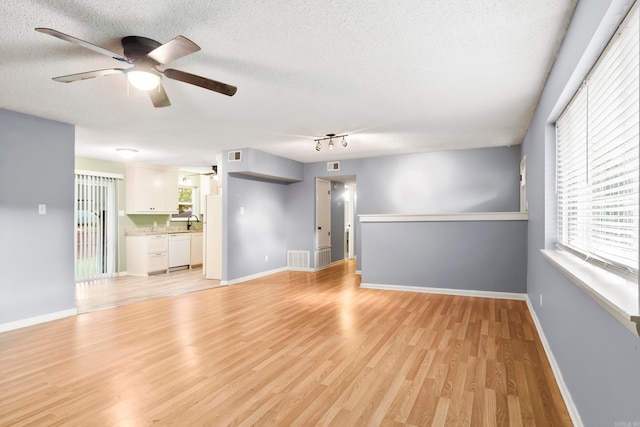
x=234 y=156
x=323 y=258
x=298 y=260
x=333 y=166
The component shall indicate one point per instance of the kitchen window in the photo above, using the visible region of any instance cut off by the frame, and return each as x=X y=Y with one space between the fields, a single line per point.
x=187 y=202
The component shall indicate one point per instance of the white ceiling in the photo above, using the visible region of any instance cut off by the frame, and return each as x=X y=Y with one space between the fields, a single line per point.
x=398 y=77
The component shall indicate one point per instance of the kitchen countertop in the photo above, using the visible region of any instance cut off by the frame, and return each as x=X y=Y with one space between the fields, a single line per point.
x=161 y=230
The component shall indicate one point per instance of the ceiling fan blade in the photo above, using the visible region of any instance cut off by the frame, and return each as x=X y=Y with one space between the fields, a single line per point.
x=87 y=45
x=88 y=75
x=159 y=97
x=173 y=49
x=203 y=82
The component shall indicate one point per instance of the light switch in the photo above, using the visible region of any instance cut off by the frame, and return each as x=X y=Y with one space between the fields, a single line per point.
x=242 y=210
x=42 y=209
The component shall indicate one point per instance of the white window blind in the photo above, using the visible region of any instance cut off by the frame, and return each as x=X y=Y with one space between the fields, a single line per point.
x=96 y=226
x=597 y=158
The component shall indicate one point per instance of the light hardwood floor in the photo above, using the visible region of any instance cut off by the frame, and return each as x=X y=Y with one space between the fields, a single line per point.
x=290 y=349
x=99 y=294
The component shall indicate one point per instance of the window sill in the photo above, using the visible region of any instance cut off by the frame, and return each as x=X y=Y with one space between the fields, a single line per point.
x=615 y=294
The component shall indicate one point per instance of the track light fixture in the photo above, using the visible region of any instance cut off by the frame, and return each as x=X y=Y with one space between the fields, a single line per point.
x=330 y=137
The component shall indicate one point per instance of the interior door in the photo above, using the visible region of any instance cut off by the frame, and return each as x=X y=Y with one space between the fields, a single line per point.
x=323 y=213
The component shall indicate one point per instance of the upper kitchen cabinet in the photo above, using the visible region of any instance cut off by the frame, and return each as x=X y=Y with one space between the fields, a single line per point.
x=151 y=189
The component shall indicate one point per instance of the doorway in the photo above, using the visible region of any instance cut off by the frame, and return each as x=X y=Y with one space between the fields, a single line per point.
x=335 y=209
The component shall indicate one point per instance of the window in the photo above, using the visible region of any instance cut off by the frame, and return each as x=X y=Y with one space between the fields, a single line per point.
x=597 y=159
x=187 y=203
x=185 y=200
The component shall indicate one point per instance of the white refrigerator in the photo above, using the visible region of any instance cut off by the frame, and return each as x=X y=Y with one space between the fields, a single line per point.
x=212 y=229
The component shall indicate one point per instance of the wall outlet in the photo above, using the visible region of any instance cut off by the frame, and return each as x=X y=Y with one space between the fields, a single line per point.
x=540 y=300
x=155 y=224
x=121 y=213
x=42 y=209
x=266 y=257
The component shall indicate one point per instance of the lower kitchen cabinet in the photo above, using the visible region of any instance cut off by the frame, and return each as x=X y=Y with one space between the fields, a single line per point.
x=196 y=249
x=147 y=254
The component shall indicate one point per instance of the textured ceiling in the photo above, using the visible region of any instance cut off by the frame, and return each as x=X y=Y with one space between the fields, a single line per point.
x=398 y=77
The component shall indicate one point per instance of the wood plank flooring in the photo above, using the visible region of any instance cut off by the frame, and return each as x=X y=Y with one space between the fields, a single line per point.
x=99 y=294
x=290 y=349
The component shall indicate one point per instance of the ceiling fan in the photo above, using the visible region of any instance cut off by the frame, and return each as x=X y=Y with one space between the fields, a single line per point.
x=146 y=55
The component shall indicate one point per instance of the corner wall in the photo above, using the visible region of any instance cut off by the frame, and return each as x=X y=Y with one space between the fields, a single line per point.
x=255 y=226
x=36 y=253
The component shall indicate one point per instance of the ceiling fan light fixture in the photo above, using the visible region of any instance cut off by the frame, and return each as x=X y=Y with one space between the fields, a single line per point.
x=330 y=144
x=143 y=80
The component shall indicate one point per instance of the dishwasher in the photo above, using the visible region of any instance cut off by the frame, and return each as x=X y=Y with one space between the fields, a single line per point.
x=179 y=250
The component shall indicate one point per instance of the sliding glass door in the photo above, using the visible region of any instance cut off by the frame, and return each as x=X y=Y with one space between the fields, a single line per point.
x=95 y=209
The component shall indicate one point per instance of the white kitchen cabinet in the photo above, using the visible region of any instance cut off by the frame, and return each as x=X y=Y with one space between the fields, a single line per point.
x=151 y=189
x=147 y=254
x=196 y=248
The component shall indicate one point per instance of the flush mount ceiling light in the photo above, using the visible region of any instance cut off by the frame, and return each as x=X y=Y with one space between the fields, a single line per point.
x=330 y=137
x=126 y=153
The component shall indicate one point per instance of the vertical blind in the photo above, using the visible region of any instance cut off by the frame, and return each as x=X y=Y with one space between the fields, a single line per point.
x=95 y=247
x=597 y=158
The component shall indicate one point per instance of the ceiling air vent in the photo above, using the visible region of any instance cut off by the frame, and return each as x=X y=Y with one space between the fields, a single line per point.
x=235 y=156
x=333 y=166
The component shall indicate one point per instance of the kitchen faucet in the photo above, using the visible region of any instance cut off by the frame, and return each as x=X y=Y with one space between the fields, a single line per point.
x=189 y=223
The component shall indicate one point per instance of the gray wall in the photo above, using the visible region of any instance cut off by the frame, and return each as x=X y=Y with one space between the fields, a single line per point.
x=337 y=221
x=257 y=233
x=480 y=180
x=474 y=255
x=599 y=358
x=36 y=254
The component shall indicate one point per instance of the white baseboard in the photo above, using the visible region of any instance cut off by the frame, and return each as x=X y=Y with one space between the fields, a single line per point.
x=252 y=276
x=121 y=274
x=23 y=323
x=447 y=291
x=313 y=270
x=564 y=390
